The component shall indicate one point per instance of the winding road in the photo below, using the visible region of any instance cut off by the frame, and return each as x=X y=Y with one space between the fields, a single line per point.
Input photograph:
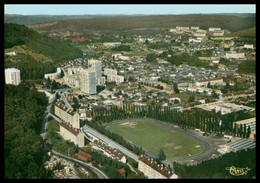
x=170 y=126
x=44 y=126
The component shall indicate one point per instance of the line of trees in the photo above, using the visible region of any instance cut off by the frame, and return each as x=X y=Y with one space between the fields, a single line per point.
x=207 y=121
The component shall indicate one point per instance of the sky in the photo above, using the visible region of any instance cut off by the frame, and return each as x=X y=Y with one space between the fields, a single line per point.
x=128 y=9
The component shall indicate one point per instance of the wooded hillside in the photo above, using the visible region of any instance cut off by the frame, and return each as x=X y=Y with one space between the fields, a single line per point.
x=232 y=23
x=37 y=53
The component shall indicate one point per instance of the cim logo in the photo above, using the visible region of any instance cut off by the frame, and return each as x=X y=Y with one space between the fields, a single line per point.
x=237 y=171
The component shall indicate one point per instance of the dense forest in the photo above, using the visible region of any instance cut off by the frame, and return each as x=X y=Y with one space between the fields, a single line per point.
x=218 y=168
x=24 y=154
x=247 y=67
x=30 y=68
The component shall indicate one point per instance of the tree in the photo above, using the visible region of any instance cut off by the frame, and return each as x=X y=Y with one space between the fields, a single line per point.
x=151 y=58
x=161 y=155
x=48 y=83
x=146 y=41
x=209 y=86
x=248 y=132
x=175 y=88
x=76 y=103
x=191 y=98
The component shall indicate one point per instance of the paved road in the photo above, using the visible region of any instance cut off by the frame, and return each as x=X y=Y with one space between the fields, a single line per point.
x=170 y=126
x=98 y=172
x=44 y=126
x=113 y=144
x=66 y=101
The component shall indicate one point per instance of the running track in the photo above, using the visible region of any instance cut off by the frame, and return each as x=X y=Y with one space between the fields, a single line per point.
x=170 y=126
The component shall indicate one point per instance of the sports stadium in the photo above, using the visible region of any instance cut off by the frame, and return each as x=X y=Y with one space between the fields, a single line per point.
x=152 y=135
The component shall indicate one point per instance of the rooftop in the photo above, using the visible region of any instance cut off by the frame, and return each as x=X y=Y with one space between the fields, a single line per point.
x=158 y=167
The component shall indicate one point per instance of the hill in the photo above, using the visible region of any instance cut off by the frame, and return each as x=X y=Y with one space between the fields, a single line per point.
x=39 y=19
x=245 y=33
x=36 y=53
x=117 y=24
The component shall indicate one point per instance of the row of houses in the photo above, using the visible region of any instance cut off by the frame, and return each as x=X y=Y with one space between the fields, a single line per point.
x=108 y=151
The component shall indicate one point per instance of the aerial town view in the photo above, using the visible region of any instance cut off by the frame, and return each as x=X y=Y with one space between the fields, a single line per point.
x=114 y=91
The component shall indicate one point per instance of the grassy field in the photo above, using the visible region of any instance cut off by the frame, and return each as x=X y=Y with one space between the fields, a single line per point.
x=153 y=137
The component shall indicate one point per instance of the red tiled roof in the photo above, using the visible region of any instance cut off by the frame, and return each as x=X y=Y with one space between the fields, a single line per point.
x=111 y=85
x=158 y=167
x=84 y=156
x=122 y=171
x=61 y=106
x=70 y=128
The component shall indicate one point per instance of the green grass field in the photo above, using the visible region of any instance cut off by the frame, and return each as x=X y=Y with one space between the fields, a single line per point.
x=153 y=137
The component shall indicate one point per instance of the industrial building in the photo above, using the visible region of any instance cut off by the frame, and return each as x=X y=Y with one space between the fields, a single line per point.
x=241 y=144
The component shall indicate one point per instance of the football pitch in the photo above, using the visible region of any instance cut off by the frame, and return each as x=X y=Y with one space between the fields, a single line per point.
x=152 y=137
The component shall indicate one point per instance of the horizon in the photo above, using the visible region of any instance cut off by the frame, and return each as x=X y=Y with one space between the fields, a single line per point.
x=128 y=9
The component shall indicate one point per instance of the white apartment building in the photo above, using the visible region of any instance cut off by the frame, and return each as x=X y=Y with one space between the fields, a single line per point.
x=101 y=80
x=216 y=81
x=197 y=40
x=199 y=34
x=69 y=116
x=88 y=82
x=182 y=28
x=117 y=56
x=112 y=44
x=12 y=76
x=235 y=55
x=218 y=33
x=53 y=76
x=95 y=65
x=212 y=29
x=249 y=46
x=116 y=78
x=72 y=134
x=72 y=81
x=110 y=71
x=153 y=170
x=194 y=27
x=74 y=70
